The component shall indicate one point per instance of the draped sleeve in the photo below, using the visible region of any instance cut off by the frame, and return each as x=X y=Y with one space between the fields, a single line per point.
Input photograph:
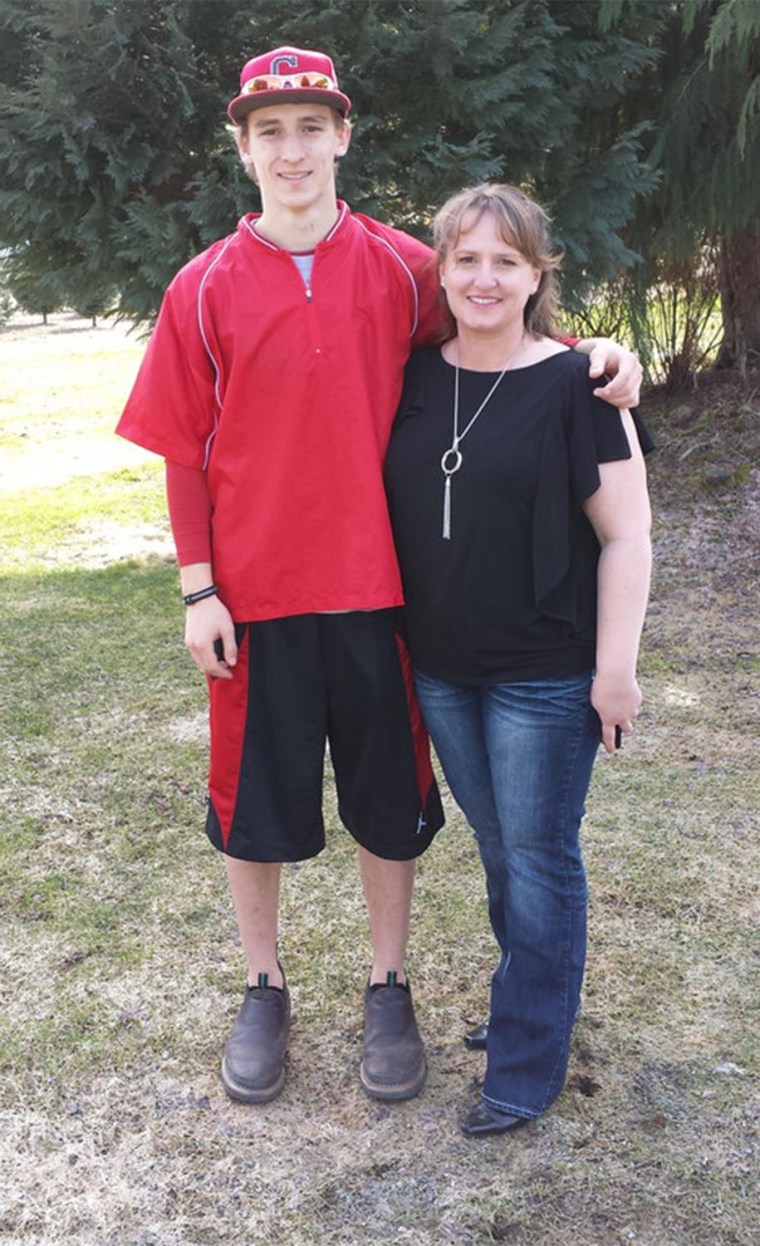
x=590 y=432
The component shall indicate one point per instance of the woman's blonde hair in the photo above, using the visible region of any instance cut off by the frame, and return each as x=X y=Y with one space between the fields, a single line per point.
x=525 y=226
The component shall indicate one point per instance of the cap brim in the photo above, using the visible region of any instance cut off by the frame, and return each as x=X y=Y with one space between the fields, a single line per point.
x=240 y=107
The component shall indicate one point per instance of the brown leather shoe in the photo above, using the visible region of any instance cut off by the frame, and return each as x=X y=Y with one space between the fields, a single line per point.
x=393 y=1064
x=253 y=1065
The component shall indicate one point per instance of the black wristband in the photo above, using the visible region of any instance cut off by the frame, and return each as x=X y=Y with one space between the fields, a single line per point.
x=191 y=598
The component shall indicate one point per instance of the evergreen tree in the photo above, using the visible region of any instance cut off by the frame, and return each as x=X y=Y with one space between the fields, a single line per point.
x=703 y=96
x=33 y=293
x=103 y=137
x=118 y=166
x=734 y=48
x=452 y=92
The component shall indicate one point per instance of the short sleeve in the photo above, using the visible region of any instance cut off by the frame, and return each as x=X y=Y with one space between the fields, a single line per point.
x=590 y=432
x=172 y=408
x=594 y=434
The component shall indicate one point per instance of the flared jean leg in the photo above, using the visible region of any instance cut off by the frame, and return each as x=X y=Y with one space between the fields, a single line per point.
x=536 y=742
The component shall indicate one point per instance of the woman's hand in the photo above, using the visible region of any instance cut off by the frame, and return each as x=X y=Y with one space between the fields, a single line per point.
x=617 y=700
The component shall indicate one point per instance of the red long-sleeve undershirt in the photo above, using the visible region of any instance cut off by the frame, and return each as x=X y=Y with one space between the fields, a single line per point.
x=189 y=505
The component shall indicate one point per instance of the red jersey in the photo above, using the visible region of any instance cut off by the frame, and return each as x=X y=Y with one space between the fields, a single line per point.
x=286 y=394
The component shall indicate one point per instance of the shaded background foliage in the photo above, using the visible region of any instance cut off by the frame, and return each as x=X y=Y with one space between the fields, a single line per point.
x=636 y=123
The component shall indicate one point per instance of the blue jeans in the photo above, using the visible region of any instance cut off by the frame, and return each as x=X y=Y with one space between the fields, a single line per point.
x=518 y=759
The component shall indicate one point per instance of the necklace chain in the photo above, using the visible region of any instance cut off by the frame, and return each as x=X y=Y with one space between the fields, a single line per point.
x=451 y=460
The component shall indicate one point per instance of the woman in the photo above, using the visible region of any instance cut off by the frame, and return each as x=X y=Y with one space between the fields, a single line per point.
x=521 y=518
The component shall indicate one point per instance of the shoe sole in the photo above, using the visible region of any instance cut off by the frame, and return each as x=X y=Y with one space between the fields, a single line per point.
x=396 y=1090
x=493 y=1130
x=250 y=1094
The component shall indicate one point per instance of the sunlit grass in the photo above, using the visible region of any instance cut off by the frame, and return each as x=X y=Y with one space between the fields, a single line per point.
x=33 y=522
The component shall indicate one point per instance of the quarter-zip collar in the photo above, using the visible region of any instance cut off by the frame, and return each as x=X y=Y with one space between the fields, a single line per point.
x=247 y=225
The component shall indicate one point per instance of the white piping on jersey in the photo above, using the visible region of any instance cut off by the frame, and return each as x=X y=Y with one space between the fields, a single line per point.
x=406 y=268
x=260 y=237
x=273 y=247
x=209 y=352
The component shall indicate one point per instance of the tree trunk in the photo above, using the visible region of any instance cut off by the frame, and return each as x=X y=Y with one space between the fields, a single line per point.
x=740 y=299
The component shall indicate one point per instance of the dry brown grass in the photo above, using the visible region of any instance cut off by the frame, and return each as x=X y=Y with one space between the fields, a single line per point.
x=120 y=969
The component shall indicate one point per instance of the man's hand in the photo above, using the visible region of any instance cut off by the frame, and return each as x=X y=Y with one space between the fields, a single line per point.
x=607 y=358
x=206 y=622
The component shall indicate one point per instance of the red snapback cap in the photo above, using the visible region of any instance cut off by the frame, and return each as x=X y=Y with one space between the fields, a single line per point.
x=288 y=76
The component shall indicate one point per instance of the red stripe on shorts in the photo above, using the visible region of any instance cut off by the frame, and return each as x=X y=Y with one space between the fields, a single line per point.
x=423 y=765
x=228 y=708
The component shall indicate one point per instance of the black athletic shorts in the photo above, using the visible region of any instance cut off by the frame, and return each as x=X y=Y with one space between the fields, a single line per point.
x=300 y=682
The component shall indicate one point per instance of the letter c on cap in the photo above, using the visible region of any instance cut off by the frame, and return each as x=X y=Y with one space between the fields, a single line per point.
x=290 y=61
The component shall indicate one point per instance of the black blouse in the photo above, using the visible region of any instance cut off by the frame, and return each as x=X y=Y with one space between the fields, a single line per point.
x=511 y=595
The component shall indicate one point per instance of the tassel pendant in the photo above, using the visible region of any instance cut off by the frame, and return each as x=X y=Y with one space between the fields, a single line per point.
x=447 y=509
x=451 y=462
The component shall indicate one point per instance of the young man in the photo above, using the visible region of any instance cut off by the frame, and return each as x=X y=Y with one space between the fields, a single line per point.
x=270 y=385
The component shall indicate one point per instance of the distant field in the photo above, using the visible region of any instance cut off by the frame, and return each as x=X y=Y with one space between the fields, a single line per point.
x=59 y=402
x=70 y=490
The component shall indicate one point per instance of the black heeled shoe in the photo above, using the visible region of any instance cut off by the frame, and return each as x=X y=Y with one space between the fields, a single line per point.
x=476 y=1039
x=483 y=1120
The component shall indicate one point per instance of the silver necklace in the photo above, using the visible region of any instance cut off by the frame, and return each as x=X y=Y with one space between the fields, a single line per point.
x=451 y=460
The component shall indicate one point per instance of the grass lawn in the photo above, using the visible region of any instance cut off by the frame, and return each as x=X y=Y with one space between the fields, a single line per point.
x=120 y=970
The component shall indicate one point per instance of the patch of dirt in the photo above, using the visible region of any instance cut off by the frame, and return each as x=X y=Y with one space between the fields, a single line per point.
x=98 y=544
